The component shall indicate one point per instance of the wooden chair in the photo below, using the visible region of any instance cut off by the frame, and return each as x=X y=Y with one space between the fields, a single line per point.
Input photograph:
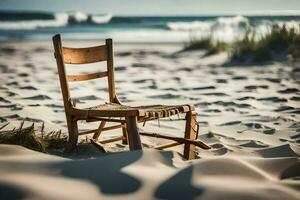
x=127 y=117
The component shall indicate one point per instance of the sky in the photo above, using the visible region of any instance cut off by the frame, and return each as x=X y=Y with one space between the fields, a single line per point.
x=156 y=7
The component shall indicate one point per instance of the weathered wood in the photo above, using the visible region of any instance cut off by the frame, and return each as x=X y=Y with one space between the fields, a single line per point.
x=167 y=145
x=177 y=139
x=110 y=70
x=99 y=130
x=113 y=127
x=103 y=129
x=190 y=133
x=125 y=135
x=71 y=122
x=73 y=135
x=134 y=139
x=62 y=73
x=85 y=77
x=105 y=119
x=81 y=114
x=85 y=55
x=111 y=140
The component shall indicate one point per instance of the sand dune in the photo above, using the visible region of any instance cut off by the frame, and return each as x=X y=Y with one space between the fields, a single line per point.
x=145 y=174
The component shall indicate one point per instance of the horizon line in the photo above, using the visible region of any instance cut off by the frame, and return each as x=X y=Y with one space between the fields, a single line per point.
x=221 y=13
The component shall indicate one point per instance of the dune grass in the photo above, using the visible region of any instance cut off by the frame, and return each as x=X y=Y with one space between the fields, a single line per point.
x=278 y=44
x=206 y=43
x=30 y=138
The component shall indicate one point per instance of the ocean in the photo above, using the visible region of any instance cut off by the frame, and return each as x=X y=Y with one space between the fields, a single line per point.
x=177 y=29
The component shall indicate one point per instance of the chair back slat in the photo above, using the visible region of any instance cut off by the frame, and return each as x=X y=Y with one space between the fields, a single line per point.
x=85 y=55
x=68 y=55
x=85 y=77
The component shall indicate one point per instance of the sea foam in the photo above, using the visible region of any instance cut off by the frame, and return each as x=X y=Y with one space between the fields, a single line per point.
x=57 y=20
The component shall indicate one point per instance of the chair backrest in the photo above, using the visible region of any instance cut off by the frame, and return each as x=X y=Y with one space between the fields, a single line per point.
x=66 y=55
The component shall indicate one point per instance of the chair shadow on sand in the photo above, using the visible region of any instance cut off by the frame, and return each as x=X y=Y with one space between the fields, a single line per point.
x=179 y=186
x=108 y=176
x=8 y=191
x=111 y=180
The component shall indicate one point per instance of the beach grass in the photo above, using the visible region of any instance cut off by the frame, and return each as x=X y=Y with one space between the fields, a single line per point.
x=279 y=43
x=32 y=139
x=206 y=43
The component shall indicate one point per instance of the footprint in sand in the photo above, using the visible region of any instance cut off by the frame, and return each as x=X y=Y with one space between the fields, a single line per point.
x=28 y=88
x=273 y=99
x=254 y=87
x=295 y=98
x=288 y=91
x=37 y=97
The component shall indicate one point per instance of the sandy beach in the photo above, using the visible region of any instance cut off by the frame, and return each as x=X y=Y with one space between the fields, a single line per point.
x=249 y=115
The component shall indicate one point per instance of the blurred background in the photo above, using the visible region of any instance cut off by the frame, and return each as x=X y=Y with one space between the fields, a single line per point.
x=144 y=21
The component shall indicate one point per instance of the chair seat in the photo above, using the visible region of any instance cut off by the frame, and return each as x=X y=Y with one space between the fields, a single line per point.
x=119 y=110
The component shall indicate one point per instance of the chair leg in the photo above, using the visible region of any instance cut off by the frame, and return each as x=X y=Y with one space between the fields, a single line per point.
x=73 y=134
x=125 y=135
x=190 y=133
x=134 y=139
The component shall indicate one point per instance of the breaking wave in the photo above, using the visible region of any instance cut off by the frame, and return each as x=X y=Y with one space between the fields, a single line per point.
x=101 y=19
x=234 y=22
x=229 y=28
x=28 y=21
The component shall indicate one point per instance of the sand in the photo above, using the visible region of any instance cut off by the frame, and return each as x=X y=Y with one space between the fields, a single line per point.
x=248 y=115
